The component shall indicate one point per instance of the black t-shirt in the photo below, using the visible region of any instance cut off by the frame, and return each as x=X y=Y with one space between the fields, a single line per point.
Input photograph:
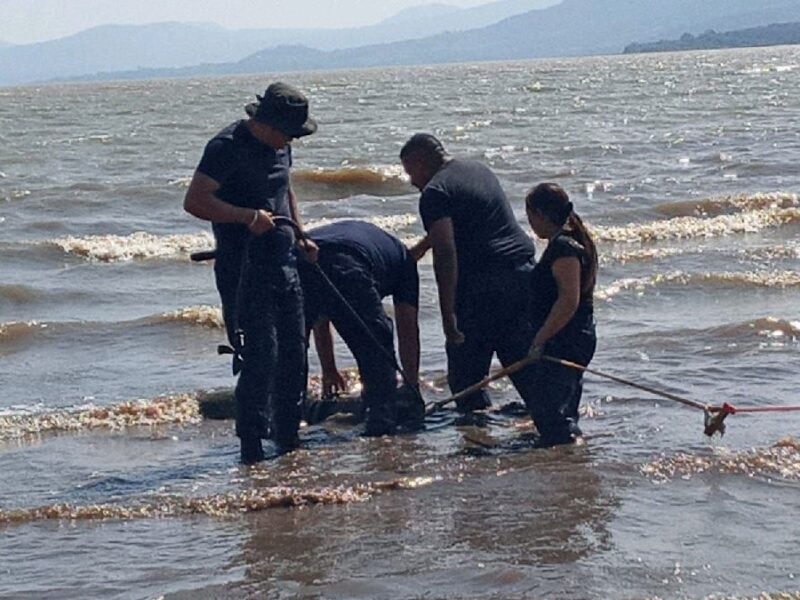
x=252 y=175
x=391 y=265
x=487 y=235
x=544 y=288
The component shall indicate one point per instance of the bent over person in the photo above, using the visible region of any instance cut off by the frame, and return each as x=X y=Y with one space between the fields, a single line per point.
x=481 y=259
x=241 y=183
x=367 y=264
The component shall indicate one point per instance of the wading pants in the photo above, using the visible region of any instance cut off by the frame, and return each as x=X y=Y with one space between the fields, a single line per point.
x=491 y=310
x=271 y=385
x=354 y=280
x=556 y=393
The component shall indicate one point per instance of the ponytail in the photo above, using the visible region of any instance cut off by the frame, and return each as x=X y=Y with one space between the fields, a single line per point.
x=584 y=238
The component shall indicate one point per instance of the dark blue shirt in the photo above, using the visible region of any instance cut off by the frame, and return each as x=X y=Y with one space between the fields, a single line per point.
x=487 y=235
x=391 y=265
x=251 y=175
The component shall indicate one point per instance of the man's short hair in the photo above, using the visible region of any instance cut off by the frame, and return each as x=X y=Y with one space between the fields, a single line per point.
x=425 y=145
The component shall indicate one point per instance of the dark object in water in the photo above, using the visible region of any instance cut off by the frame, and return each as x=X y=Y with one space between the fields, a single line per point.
x=220 y=405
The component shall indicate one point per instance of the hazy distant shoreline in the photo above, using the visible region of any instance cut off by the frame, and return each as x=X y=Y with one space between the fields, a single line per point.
x=429 y=34
x=777 y=34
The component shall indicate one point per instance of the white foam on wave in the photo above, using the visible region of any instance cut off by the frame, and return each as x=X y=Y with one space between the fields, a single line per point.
x=699 y=227
x=392 y=223
x=638 y=285
x=15 y=330
x=182 y=182
x=207 y=316
x=139 y=245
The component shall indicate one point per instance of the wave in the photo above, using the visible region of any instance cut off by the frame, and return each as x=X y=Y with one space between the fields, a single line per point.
x=207 y=316
x=202 y=315
x=184 y=409
x=780 y=460
x=346 y=181
x=176 y=409
x=139 y=245
x=15 y=195
x=753 y=216
x=146 y=246
x=764 y=327
x=218 y=505
x=342 y=182
x=391 y=223
x=726 y=204
x=787 y=250
x=17 y=330
x=17 y=294
x=640 y=255
x=768 y=279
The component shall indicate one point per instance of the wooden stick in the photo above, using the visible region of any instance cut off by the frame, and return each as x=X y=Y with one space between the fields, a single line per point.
x=572 y=365
x=509 y=370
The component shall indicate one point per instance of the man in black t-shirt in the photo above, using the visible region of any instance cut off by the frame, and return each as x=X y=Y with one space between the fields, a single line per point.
x=242 y=181
x=481 y=258
x=366 y=264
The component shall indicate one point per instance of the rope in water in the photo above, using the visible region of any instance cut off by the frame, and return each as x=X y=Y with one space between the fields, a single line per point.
x=753 y=409
x=714 y=415
x=726 y=407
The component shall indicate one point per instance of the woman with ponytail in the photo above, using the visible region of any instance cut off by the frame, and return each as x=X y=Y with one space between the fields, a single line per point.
x=562 y=316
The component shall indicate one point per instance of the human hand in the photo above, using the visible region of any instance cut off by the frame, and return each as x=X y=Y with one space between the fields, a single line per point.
x=262 y=222
x=536 y=352
x=420 y=249
x=332 y=383
x=452 y=333
x=310 y=248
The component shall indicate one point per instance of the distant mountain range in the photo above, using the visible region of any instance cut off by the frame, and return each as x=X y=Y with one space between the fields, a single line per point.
x=569 y=28
x=772 y=35
x=112 y=48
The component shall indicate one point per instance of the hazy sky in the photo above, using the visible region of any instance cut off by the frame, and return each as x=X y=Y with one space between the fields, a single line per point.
x=25 y=21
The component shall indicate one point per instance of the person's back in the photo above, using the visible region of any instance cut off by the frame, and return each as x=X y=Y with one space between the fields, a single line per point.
x=481 y=259
x=366 y=264
x=487 y=235
x=391 y=265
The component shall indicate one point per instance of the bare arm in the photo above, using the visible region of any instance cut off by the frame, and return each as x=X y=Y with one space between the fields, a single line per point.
x=445 y=267
x=293 y=210
x=332 y=381
x=405 y=316
x=202 y=202
x=420 y=249
x=567 y=273
x=306 y=245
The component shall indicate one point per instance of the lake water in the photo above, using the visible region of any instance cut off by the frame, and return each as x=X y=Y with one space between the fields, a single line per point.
x=685 y=166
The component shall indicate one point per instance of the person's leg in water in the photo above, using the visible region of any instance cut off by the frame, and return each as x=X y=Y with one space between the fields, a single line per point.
x=556 y=392
x=469 y=362
x=377 y=372
x=257 y=319
x=491 y=314
x=290 y=376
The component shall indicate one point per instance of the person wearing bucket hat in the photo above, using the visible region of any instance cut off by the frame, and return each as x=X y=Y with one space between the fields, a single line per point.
x=241 y=182
x=482 y=260
x=284 y=108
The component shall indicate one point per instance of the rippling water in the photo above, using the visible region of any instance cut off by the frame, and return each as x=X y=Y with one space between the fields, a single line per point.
x=683 y=165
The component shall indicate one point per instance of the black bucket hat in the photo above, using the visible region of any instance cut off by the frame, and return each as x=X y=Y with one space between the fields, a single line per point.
x=285 y=108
